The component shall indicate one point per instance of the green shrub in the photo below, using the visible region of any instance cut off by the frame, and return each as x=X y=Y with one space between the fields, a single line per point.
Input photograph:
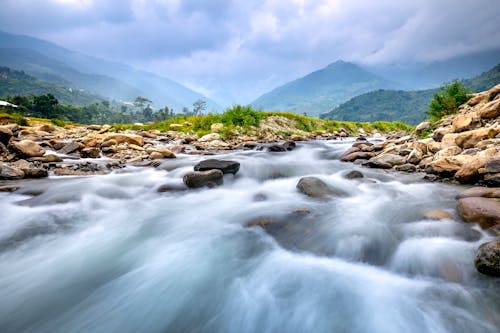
x=447 y=100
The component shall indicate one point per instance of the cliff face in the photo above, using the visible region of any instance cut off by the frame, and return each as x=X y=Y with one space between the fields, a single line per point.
x=464 y=146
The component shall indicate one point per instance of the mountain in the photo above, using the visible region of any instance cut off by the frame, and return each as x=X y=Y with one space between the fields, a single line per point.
x=321 y=90
x=430 y=75
x=14 y=82
x=406 y=106
x=48 y=61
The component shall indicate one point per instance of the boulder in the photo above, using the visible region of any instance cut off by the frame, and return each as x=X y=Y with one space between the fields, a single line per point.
x=470 y=171
x=469 y=139
x=90 y=152
x=5 y=134
x=109 y=143
x=447 y=152
x=485 y=211
x=415 y=156
x=316 y=188
x=125 y=138
x=487 y=260
x=216 y=127
x=386 y=161
x=353 y=174
x=223 y=165
x=8 y=172
x=439 y=133
x=422 y=127
x=448 y=165
x=210 y=137
x=448 y=140
x=46 y=159
x=360 y=155
x=155 y=155
x=69 y=148
x=490 y=109
x=197 y=179
x=493 y=165
x=484 y=192
x=465 y=122
x=408 y=167
x=282 y=147
x=27 y=148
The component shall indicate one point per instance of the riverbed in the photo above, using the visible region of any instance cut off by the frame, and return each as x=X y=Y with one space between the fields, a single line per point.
x=110 y=253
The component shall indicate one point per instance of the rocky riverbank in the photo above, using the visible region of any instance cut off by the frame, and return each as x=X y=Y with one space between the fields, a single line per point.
x=42 y=149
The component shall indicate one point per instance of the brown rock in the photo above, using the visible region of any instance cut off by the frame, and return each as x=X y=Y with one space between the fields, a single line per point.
x=90 y=152
x=46 y=159
x=447 y=152
x=465 y=122
x=422 y=127
x=360 y=155
x=490 y=109
x=27 y=148
x=5 y=135
x=470 y=138
x=437 y=214
x=9 y=172
x=448 y=140
x=484 y=211
x=439 y=133
x=125 y=138
x=484 y=192
x=109 y=143
x=415 y=156
x=470 y=170
x=386 y=161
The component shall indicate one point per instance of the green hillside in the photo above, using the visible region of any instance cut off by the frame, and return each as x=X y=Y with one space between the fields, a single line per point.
x=321 y=90
x=399 y=105
x=13 y=82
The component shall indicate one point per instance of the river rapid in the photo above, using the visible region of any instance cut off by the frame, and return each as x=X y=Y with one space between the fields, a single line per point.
x=111 y=254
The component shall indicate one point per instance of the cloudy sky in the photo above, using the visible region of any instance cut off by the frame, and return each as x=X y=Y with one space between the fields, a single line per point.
x=234 y=50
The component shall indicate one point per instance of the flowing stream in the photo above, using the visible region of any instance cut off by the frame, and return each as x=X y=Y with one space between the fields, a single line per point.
x=111 y=254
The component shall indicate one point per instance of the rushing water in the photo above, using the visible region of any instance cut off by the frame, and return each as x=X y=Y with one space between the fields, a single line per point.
x=111 y=254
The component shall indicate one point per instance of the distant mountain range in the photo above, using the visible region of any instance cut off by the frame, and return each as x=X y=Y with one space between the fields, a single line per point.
x=319 y=91
x=50 y=62
x=406 y=106
x=13 y=82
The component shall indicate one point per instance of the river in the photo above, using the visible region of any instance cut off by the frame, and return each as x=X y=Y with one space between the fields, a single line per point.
x=111 y=254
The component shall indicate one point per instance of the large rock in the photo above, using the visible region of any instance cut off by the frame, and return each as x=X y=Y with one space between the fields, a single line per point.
x=27 y=148
x=422 y=127
x=360 y=155
x=448 y=166
x=5 y=134
x=197 y=179
x=493 y=165
x=470 y=138
x=465 y=122
x=210 y=137
x=484 y=211
x=316 y=188
x=386 y=161
x=8 y=172
x=485 y=192
x=125 y=138
x=487 y=260
x=69 y=147
x=490 y=109
x=470 y=171
x=448 y=140
x=415 y=156
x=222 y=165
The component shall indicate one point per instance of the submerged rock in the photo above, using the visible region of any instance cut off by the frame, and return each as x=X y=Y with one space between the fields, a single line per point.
x=210 y=178
x=353 y=174
x=8 y=172
x=316 y=188
x=487 y=260
x=223 y=165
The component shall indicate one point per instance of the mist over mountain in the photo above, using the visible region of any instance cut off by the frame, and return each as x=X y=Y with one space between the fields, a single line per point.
x=320 y=90
x=50 y=62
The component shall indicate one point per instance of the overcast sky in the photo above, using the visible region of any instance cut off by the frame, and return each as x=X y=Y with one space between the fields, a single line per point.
x=234 y=50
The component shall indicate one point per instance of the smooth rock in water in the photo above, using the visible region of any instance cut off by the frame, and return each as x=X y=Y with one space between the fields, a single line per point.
x=69 y=148
x=478 y=192
x=34 y=172
x=90 y=152
x=171 y=188
x=386 y=161
x=210 y=178
x=222 y=165
x=5 y=135
x=353 y=174
x=8 y=172
x=27 y=148
x=358 y=155
x=484 y=211
x=210 y=137
x=46 y=159
x=437 y=214
x=408 y=167
x=487 y=260
x=316 y=188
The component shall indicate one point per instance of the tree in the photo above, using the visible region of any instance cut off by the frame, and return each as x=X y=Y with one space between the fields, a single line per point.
x=44 y=105
x=141 y=102
x=448 y=99
x=199 y=106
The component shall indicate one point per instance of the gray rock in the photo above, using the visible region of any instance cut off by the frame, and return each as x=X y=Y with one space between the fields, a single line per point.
x=493 y=165
x=353 y=174
x=386 y=161
x=487 y=260
x=222 y=165
x=316 y=188
x=210 y=178
x=90 y=152
x=8 y=172
x=69 y=148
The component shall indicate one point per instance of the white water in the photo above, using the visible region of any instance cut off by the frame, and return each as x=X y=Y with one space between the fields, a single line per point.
x=110 y=254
